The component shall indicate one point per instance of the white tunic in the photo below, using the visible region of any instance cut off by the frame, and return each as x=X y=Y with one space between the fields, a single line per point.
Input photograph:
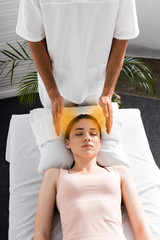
x=79 y=35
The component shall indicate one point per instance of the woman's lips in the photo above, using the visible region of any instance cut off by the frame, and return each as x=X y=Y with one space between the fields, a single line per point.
x=87 y=145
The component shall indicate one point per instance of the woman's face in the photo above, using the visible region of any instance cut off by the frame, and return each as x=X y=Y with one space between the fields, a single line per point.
x=84 y=132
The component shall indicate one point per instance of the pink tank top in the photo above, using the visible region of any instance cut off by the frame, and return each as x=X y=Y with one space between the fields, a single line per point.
x=90 y=205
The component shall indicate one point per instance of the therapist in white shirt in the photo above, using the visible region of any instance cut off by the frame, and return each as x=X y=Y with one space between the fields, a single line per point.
x=78 y=48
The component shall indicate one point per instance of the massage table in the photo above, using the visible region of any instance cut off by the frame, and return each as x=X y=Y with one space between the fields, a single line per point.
x=23 y=155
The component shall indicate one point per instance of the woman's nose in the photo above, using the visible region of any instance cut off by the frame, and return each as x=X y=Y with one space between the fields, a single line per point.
x=86 y=138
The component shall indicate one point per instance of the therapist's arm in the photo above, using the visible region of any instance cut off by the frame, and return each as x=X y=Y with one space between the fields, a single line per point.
x=43 y=65
x=114 y=66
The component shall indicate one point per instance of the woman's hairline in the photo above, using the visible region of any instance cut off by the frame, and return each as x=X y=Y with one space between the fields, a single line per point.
x=75 y=120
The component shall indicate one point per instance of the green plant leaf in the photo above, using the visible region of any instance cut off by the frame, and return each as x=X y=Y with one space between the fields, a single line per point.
x=14 y=65
x=3 y=66
x=16 y=51
x=117 y=98
x=24 y=51
x=8 y=74
x=25 y=44
x=9 y=54
x=139 y=74
x=27 y=89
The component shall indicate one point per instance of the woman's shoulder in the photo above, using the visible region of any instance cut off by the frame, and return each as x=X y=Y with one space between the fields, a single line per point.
x=122 y=171
x=50 y=170
x=120 y=168
x=52 y=173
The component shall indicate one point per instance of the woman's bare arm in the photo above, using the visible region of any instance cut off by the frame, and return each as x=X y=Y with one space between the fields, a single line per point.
x=133 y=205
x=46 y=202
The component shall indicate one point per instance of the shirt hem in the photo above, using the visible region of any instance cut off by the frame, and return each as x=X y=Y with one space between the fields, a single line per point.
x=129 y=36
x=30 y=38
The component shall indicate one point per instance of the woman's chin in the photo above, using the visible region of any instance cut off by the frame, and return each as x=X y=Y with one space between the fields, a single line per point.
x=87 y=154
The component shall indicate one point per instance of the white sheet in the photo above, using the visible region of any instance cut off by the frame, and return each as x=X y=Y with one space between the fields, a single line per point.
x=25 y=182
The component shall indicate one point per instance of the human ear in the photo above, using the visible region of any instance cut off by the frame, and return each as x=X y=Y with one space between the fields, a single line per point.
x=67 y=143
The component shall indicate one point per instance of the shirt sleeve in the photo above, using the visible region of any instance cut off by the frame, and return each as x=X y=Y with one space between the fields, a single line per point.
x=126 y=23
x=30 y=21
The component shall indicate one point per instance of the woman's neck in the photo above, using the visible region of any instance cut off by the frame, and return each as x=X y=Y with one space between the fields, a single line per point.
x=86 y=167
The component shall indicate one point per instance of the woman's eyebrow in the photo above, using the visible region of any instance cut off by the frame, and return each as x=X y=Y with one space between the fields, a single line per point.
x=83 y=128
x=78 y=129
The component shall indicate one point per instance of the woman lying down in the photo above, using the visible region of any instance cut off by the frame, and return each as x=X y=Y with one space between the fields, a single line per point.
x=88 y=196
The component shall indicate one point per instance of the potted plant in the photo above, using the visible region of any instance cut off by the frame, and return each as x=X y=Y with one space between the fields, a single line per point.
x=133 y=69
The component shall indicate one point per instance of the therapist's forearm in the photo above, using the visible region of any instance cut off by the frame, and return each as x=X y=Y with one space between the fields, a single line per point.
x=114 y=66
x=43 y=65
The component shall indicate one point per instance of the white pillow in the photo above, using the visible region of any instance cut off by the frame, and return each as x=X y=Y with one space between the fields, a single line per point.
x=53 y=150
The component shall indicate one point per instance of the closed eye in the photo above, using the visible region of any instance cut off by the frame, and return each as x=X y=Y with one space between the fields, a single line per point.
x=92 y=134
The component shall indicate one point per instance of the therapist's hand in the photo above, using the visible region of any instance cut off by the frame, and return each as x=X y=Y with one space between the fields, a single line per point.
x=106 y=104
x=57 y=105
